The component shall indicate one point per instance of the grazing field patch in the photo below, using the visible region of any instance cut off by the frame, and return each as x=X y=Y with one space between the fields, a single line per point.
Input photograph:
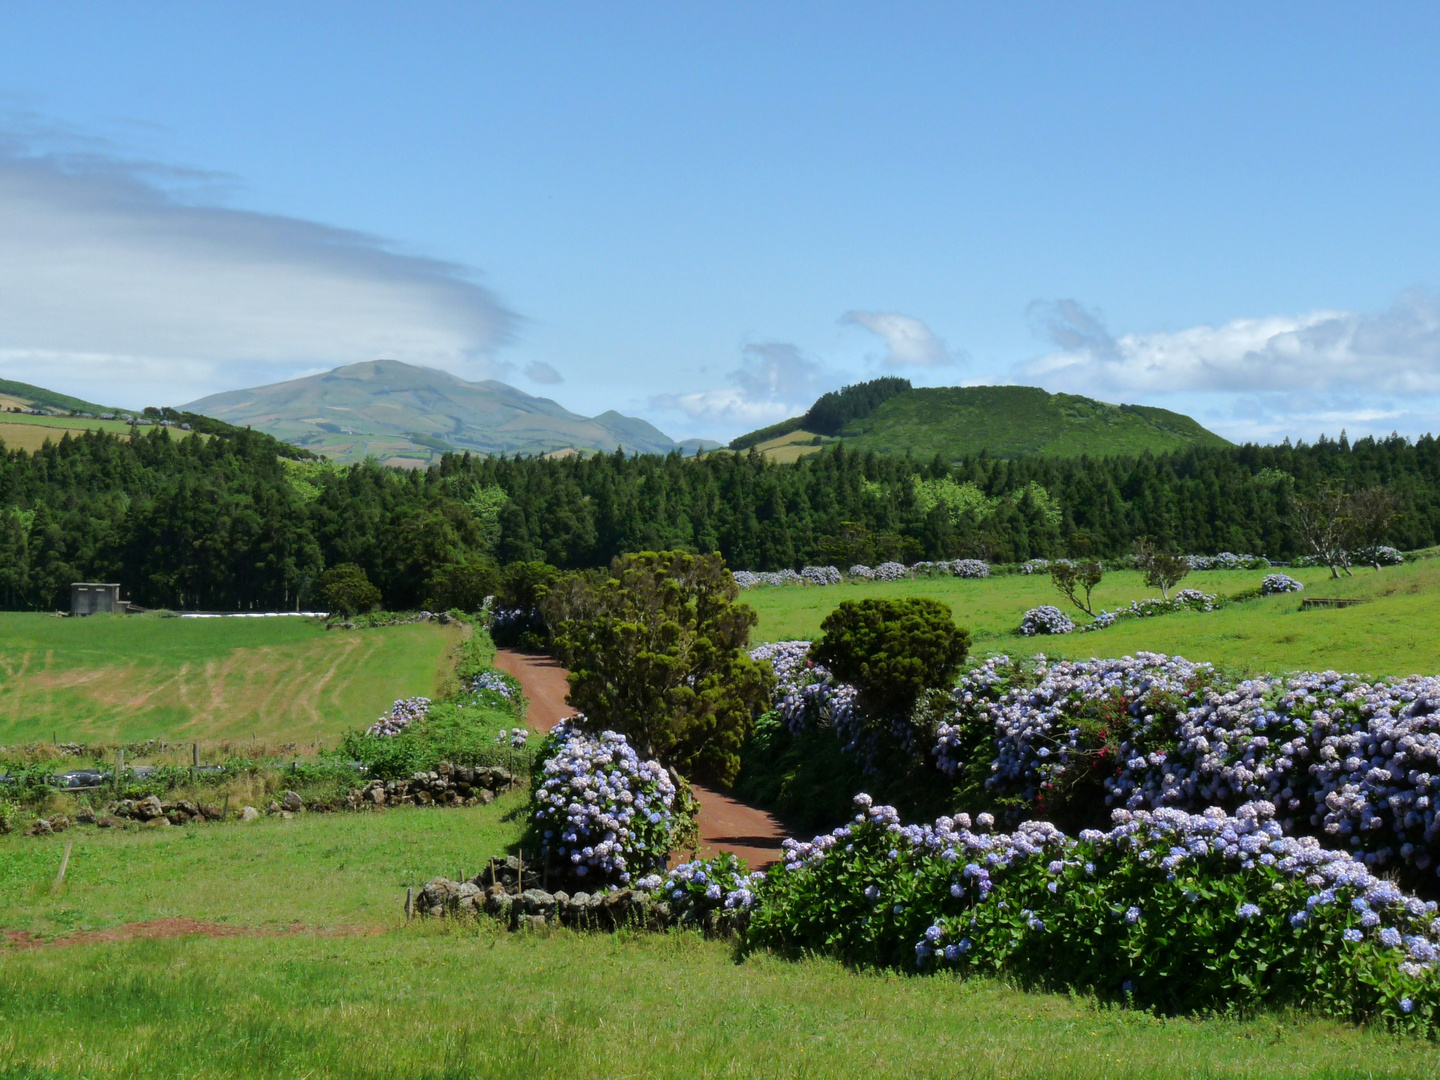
x=299 y=990
x=128 y=678
x=1396 y=633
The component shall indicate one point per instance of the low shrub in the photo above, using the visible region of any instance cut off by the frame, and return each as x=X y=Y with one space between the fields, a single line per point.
x=1046 y=619
x=892 y=650
x=1275 y=584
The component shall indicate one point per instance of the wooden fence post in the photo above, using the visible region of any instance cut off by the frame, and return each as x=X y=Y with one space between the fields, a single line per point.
x=409 y=903
x=194 y=761
x=64 y=862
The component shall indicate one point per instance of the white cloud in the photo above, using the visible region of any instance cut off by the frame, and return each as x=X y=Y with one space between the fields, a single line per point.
x=908 y=341
x=1395 y=351
x=774 y=382
x=541 y=372
x=116 y=287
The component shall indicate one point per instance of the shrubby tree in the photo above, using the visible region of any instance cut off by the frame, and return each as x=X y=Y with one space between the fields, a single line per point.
x=347 y=591
x=656 y=651
x=892 y=651
x=524 y=584
x=1372 y=513
x=1075 y=577
x=463 y=585
x=1334 y=524
x=1163 y=570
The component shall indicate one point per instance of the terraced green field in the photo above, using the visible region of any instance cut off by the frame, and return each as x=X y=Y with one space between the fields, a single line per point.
x=1395 y=632
x=110 y=678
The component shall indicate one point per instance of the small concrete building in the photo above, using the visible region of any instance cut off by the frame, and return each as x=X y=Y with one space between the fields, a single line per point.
x=90 y=598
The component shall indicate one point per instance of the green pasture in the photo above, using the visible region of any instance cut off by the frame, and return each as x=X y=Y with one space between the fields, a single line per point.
x=320 y=976
x=1396 y=632
x=114 y=678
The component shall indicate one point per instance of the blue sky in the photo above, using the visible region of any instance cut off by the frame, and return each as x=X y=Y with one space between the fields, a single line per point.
x=707 y=215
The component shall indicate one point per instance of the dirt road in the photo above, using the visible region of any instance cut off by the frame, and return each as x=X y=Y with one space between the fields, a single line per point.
x=725 y=824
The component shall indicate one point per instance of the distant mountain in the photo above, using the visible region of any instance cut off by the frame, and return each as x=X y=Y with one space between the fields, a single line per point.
x=1007 y=421
x=407 y=415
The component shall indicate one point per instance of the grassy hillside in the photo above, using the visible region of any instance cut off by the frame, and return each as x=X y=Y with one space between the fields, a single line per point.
x=409 y=416
x=1008 y=421
x=1011 y=421
x=128 y=678
x=1394 y=633
x=299 y=963
x=21 y=432
x=18 y=393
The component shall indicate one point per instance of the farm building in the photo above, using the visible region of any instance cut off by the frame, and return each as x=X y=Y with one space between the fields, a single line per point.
x=91 y=598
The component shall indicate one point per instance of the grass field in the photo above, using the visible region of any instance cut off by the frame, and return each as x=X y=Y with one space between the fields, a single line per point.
x=113 y=678
x=323 y=978
x=1397 y=632
x=19 y=431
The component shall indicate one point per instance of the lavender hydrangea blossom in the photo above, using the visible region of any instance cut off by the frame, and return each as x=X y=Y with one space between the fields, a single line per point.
x=1275 y=584
x=603 y=813
x=1046 y=619
x=401 y=715
x=1054 y=873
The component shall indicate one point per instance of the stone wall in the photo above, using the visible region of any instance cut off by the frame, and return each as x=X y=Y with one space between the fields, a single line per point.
x=499 y=893
x=447 y=785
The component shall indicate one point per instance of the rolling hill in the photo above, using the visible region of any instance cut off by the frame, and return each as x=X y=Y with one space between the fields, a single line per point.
x=407 y=415
x=1007 y=421
x=21 y=394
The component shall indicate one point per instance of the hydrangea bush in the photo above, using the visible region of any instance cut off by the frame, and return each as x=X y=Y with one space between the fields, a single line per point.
x=401 y=715
x=1046 y=619
x=700 y=891
x=602 y=816
x=1169 y=910
x=1275 y=584
x=1045 y=733
x=1378 y=556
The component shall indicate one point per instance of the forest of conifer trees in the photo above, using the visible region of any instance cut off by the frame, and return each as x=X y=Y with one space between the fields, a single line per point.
x=228 y=524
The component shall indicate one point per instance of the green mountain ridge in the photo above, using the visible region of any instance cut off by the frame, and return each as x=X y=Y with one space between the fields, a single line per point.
x=1005 y=421
x=408 y=415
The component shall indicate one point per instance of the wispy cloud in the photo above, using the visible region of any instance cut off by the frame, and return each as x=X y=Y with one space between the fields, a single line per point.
x=541 y=372
x=128 y=282
x=908 y=341
x=1395 y=351
x=774 y=381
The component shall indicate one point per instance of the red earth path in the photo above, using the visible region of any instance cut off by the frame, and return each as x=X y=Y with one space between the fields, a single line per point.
x=725 y=823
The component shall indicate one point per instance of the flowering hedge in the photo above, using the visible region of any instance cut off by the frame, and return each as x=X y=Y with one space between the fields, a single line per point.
x=1184 y=600
x=1170 y=910
x=820 y=575
x=701 y=890
x=401 y=715
x=1275 y=584
x=1046 y=619
x=1383 y=555
x=600 y=813
x=889 y=571
x=1226 y=560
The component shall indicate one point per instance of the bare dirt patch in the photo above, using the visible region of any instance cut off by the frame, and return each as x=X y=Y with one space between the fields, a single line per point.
x=172 y=928
x=726 y=824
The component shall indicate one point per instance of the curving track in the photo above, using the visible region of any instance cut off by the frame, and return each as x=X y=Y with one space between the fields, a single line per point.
x=725 y=823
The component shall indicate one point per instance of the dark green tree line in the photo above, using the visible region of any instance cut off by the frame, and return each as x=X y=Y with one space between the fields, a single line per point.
x=226 y=523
